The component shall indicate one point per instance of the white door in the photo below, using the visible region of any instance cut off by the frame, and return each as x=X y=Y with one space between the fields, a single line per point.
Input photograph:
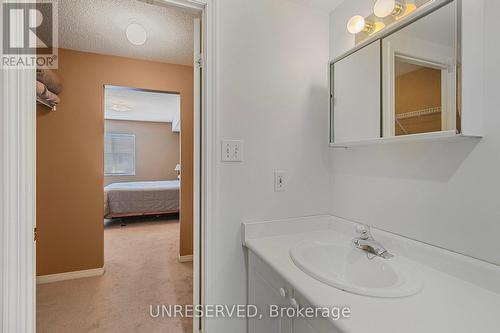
x=266 y=288
x=262 y=294
x=303 y=326
x=310 y=325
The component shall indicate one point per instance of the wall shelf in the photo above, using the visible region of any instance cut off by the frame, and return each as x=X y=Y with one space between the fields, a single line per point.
x=445 y=136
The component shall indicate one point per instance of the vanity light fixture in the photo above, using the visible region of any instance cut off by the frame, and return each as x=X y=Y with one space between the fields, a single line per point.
x=410 y=7
x=384 y=8
x=357 y=24
x=385 y=12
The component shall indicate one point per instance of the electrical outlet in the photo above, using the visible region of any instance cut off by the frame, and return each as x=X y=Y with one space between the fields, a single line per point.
x=232 y=150
x=280 y=181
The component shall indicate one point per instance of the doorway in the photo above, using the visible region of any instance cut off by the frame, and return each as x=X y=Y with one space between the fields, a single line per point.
x=18 y=196
x=77 y=103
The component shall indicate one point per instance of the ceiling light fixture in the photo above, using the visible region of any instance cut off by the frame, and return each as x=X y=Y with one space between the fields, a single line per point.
x=384 y=8
x=136 y=34
x=120 y=108
x=358 y=24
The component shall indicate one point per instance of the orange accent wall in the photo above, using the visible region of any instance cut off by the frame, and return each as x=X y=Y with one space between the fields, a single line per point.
x=156 y=150
x=70 y=176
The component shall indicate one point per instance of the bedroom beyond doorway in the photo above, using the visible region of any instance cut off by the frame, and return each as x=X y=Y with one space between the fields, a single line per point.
x=132 y=265
x=115 y=169
x=141 y=152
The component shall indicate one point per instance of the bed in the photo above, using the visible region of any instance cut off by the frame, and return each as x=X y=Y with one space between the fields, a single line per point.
x=141 y=198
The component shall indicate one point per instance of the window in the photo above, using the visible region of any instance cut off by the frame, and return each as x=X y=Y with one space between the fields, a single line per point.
x=119 y=154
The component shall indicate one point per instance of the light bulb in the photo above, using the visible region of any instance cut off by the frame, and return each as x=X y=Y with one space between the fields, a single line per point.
x=384 y=8
x=356 y=24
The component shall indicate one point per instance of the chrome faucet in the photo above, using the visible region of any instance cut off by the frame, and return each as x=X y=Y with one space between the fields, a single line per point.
x=366 y=243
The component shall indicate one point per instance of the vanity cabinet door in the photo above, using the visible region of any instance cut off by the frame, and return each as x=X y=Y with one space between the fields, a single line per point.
x=266 y=288
x=311 y=325
x=303 y=326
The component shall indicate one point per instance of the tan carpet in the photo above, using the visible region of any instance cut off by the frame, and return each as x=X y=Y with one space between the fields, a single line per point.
x=141 y=269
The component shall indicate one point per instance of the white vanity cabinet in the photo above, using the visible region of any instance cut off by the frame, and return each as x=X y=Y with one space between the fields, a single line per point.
x=266 y=288
x=311 y=325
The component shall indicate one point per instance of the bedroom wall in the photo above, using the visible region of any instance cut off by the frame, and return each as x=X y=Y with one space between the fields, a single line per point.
x=70 y=176
x=156 y=150
x=441 y=193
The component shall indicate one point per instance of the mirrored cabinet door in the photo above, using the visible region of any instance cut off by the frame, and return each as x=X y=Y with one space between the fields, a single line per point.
x=406 y=81
x=355 y=88
x=419 y=71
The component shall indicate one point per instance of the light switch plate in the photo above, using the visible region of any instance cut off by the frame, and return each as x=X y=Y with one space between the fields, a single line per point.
x=280 y=181
x=232 y=151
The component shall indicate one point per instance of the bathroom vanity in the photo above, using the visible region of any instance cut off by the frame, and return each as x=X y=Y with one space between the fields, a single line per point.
x=265 y=288
x=414 y=74
x=444 y=292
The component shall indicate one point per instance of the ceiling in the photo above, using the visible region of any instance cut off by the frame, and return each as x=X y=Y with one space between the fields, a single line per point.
x=98 y=26
x=327 y=5
x=403 y=67
x=140 y=105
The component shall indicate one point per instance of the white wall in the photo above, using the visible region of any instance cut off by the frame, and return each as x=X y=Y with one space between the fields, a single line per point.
x=272 y=92
x=445 y=194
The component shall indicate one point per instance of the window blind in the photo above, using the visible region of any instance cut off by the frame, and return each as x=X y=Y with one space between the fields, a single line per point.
x=119 y=154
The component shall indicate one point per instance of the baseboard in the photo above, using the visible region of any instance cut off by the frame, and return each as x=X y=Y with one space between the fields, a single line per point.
x=42 y=279
x=185 y=258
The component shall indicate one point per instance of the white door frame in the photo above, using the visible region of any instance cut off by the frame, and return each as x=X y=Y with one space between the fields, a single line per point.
x=17 y=198
x=17 y=185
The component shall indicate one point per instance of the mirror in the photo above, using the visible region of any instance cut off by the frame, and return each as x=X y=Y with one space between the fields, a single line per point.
x=356 y=96
x=418 y=97
x=403 y=83
x=419 y=75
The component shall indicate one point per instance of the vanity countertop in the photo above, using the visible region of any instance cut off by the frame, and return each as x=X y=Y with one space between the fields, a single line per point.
x=446 y=303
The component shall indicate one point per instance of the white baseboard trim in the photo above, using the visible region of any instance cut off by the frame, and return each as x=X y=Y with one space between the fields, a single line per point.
x=69 y=275
x=185 y=258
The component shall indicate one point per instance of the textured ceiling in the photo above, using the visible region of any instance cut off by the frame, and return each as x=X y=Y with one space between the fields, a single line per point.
x=141 y=105
x=98 y=26
x=327 y=5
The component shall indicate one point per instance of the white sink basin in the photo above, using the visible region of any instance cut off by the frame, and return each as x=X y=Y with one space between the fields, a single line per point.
x=350 y=269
